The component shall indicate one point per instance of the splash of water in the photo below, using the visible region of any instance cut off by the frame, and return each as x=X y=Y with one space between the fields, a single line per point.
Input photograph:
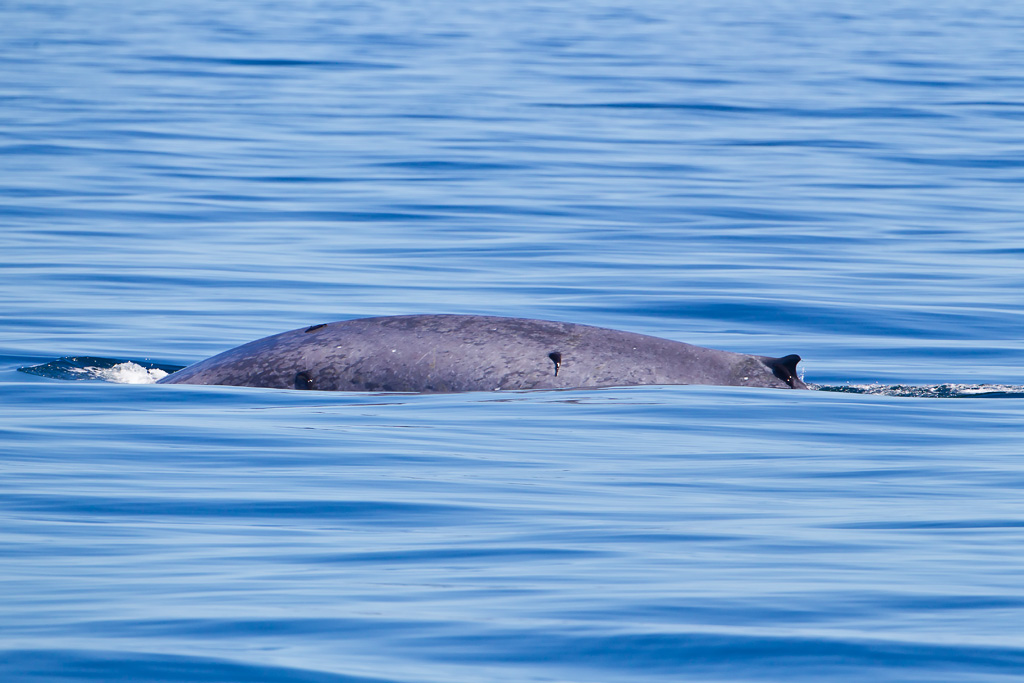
x=105 y=369
x=930 y=390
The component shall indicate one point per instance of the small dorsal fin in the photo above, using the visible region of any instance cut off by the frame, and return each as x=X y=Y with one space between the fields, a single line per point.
x=785 y=369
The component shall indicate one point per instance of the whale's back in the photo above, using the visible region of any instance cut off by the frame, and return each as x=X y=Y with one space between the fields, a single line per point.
x=452 y=353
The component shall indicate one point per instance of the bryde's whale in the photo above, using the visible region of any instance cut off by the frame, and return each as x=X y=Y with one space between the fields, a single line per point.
x=450 y=353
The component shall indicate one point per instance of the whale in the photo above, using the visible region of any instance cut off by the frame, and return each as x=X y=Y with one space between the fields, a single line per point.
x=461 y=353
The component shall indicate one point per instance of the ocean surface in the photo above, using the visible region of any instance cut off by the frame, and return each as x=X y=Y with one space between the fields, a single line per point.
x=841 y=180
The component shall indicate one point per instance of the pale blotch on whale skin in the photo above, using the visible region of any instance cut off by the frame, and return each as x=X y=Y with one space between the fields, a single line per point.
x=452 y=353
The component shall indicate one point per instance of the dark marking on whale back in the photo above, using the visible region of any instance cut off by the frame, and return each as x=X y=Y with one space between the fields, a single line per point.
x=303 y=380
x=314 y=328
x=556 y=358
x=785 y=369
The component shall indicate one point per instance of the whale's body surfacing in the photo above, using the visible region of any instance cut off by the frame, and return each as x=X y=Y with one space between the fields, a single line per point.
x=451 y=353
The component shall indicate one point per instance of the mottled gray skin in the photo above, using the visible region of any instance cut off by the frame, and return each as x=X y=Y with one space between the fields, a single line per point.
x=449 y=353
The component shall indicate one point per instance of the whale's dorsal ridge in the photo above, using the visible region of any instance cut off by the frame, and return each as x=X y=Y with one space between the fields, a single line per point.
x=449 y=353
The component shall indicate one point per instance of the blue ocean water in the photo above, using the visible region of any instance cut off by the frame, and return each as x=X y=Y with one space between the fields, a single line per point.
x=840 y=180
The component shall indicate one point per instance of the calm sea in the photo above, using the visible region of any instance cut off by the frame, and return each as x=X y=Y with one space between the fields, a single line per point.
x=842 y=180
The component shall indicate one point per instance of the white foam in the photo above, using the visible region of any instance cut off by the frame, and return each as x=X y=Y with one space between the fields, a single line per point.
x=129 y=373
x=928 y=390
x=989 y=388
